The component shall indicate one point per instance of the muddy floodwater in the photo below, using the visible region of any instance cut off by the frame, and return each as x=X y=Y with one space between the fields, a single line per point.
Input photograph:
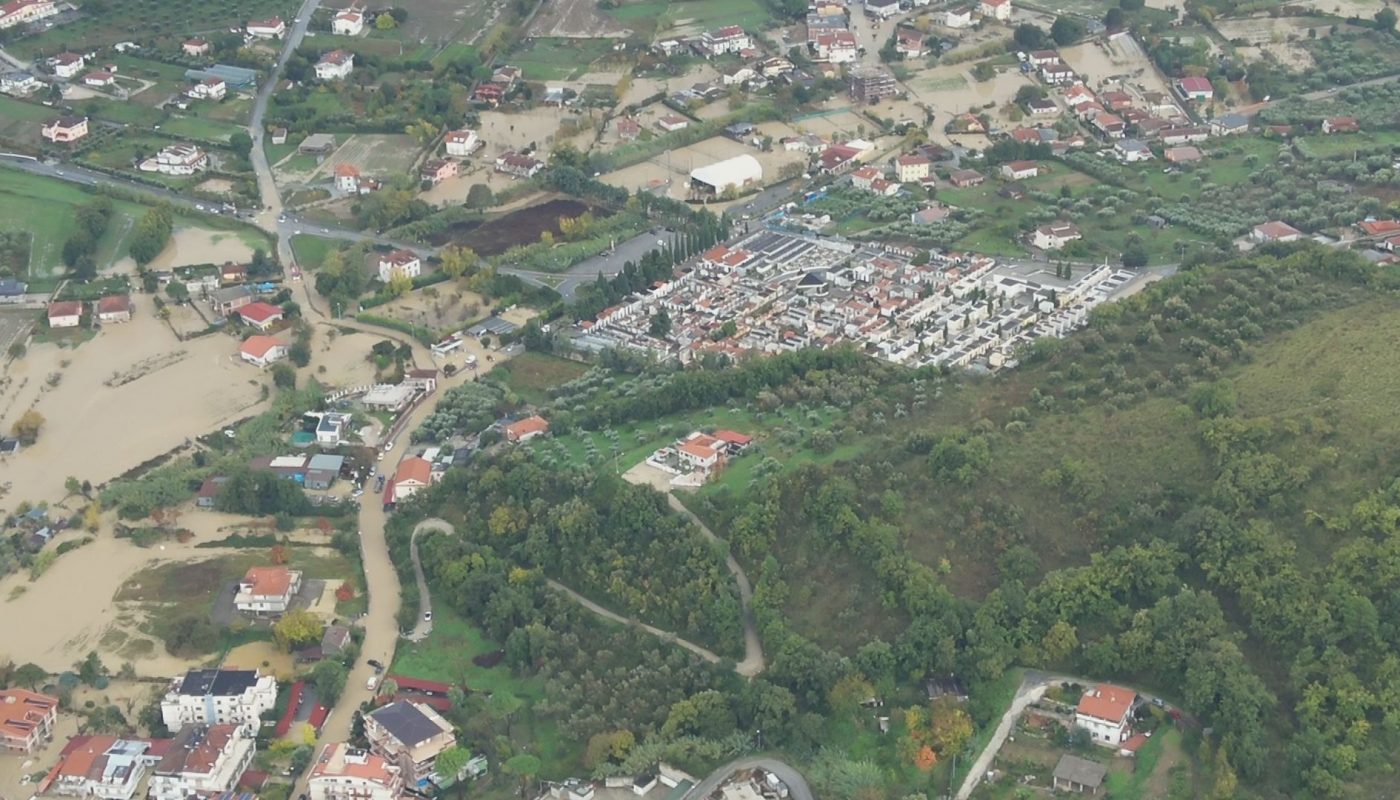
x=520 y=227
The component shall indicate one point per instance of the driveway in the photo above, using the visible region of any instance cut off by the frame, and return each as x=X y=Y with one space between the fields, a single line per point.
x=797 y=785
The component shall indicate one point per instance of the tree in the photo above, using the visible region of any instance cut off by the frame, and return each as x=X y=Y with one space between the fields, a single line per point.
x=30 y=676
x=150 y=235
x=1131 y=5
x=72 y=485
x=846 y=696
x=329 y=678
x=284 y=376
x=480 y=196
x=1030 y=37
x=301 y=759
x=503 y=705
x=660 y=324
x=456 y=260
x=296 y=628
x=1385 y=19
x=951 y=726
x=525 y=767
x=1134 y=254
x=1114 y=19
x=452 y=761
x=299 y=353
x=1066 y=31
x=1226 y=783
x=27 y=427
x=399 y=284
x=91 y=670
x=385 y=22
x=1059 y=642
x=241 y=143
x=608 y=746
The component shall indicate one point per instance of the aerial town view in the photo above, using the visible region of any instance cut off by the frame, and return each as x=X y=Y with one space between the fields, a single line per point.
x=699 y=399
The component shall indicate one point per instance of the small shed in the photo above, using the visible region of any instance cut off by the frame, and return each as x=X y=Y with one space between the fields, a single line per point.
x=1075 y=774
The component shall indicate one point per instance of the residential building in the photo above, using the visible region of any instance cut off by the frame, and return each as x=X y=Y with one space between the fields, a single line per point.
x=23 y=12
x=335 y=639
x=317 y=144
x=342 y=772
x=262 y=351
x=1130 y=151
x=409 y=734
x=265 y=591
x=958 y=18
x=1195 y=88
x=1230 y=124
x=279 y=135
x=218 y=696
x=102 y=767
x=177 y=159
x=114 y=308
x=963 y=178
x=1110 y=126
x=526 y=429
x=99 y=79
x=261 y=315
x=729 y=39
x=335 y=65
x=196 y=47
x=330 y=429
x=350 y=22
x=437 y=170
x=322 y=470
x=26 y=720
x=1106 y=712
x=203 y=761
x=518 y=164
x=629 y=130
x=273 y=28
x=1042 y=107
x=68 y=65
x=1379 y=227
x=701 y=452
x=228 y=300
x=671 y=123
x=1020 y=170
x=1057 y=72
x=19 y=83
x=999 y=10
x=881 y=9
x=347 y=178
x=736 y=75
x=490 y=94
x=1275 y=231
x=1078 y=775
x=65 y=129
x=208 y=89
x=872 y=84
x=1340 y=125
x=1055 y=235
x=461 y=143
x=231 y=274
x=399 y=262
x=908 y=42
x=209 y=491
x=1184 y=154
x=1184 y=135
x=12 y=291
x=412 y=475
x=65 y=313
x=912 y=168
x=834 y=47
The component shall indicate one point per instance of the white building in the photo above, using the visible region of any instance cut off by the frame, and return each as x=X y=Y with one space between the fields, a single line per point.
x=881 y=9
x=22 y=12
x=273 y=28
x=999 y=10
x=262 y=351
x=729 y=39
x=345 y=773
x=267 y=590
x=102 y=767
x=461 y=143
x=19 y=83
x=1055 y=235
x=208 y=89
x=350 y=22
x=399 y=262
x=411 y=734
x=335 y=65
x=1130 y=151
x=958 y=17
x=1106 y=712
x=177 y=159
x=731 y=173
x=217 y=697
x=68 y=65
x=203 y=761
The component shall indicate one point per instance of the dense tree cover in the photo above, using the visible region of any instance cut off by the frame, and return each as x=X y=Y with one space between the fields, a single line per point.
x=81 y=246
x=1163 y=559
x=598 y=535
x=466 y=409
x=261 y=492
x=151 y=234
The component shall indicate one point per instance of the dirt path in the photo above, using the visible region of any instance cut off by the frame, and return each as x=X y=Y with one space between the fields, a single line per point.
x=605 y=613
x=753 y=662
x=424 y=626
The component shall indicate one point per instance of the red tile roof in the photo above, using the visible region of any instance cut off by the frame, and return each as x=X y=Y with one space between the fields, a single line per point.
x=260 y=312
x=258 y=346
x=527 y=426
x=65 y=308
x=269 y=581
x=1107 y=702
x=114 y=304
x=414 y=469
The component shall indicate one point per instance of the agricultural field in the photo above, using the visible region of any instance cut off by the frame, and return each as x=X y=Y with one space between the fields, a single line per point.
x=576 y=19
x=46 y=208
x=559 y=59
x=168 y=20
x=1281 y=39
x=376 y=155
x=20 y=121
x=677 y=166
x=531 y=375
x=659 y=18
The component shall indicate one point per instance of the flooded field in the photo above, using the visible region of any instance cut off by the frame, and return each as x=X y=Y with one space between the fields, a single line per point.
x=656 y=172
x=189 y=246
x=520 y=227
x=1120 y=60
x=1270 y=37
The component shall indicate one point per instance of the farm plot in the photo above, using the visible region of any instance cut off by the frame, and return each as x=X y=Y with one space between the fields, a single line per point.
x=833 y=123
x=1278 y=38
x=654 y=174
x=692 y=16
x=106 y=24
x=379 y=155
x=20 y=121
x=576 y=19
x=559 y=59
x=1120 y=60
x=437 y=25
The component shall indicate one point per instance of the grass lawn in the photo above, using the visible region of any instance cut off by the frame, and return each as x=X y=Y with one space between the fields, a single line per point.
x=46 y=208
x=693 y=15
x=196 y=584
x=20 y=120
x=1345 y=144
x=454 y=51
x=559 y=59
x=209 y=130
x=133 y=114
x=531 y=374
x=310 y=250
x=277 y=152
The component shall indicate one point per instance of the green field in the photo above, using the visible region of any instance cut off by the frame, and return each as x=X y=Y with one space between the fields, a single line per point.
x=530 y=375
x=692 y=16
x=45 y=208
x=310 y=250
x=559 y=59
x=20 y=120
x=164 y=22
x=1321 y=146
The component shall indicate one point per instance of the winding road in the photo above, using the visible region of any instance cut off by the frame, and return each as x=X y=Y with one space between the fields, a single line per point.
x=753 y=662
x=424 y=626
x=797 y=785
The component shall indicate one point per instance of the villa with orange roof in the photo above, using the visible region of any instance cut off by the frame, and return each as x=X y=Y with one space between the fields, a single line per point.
x=262 y=351
x=267 y=590
x=26 y=720
x=342 y=772
x=105 y=767
x=1106 y=712
x=526 y=429
x=413 y=474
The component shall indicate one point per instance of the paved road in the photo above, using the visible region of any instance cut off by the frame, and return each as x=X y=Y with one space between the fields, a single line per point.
x=424 y=626
x=797 y=785
x=753 y=662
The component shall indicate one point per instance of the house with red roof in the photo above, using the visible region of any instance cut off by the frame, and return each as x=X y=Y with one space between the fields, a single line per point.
x=65 y=313
x=1379 y=227
x=267 y=590
x=1275 y=231
x=262 y=351
x=261 y=315
x=342 y=772
x=526 y=429
x=1340 y=125
x=1195 y=88
x=21 y=12
x=114 y=308
x=26 y=720
x=1106 y=712
x=413 y=474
